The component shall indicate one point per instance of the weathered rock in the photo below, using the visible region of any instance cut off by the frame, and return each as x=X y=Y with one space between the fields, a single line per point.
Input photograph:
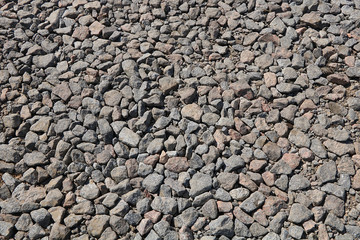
x=128 y=137
x=192 y=111
x=299 y=213
x=97 y=225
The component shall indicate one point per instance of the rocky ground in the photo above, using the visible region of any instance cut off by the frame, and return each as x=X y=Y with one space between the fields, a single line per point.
x=176 y=119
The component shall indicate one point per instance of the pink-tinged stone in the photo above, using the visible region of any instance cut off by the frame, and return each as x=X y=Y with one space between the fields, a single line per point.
x=214 y=57
x=293 y=160
x=356 y=181
x=270 y=79
x=308 y=115
x=309 y=226
x=273 y=205
x=306 y=154
x=192 y=111
x=221 y=139
x=199 y=224
x=96 y=28
x=283 y=143
x=266 y=190
x=241 y=127
x=224 y=206
x=280 y=194
x=144 y=226
x=257 y=165
x=215 y=93
x=75 y=102
x=164 y=47
x=63 y=91
x=350 y=61
x=177 y=164
x=339 y=78
x=242 y=216
x=116 y=113
x=260 y=217
x=185 y=233
x=269 y=178
x=323 y=235
x=132 y=167
x=308 y=105
x=103 y=157
x=246 y=181
x=153 y=215
x=163 y=157
x=247 y=56
x=25 y=112
x=152 y=160
x=203 y=90
x=69 y=199
x=230 y=215
x=268 y=37
x=235 y=135
x=81 y=33
x=356 y=160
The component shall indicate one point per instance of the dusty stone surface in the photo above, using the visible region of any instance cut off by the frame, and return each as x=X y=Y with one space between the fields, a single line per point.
x=222 y=119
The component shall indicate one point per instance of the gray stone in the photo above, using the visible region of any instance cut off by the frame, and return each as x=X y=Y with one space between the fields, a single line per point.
x=79 y=66
x=257 y=230
x=200 y=183
x=133 y=218
x=44 y=61
x=164 y=205
x=327 y=172
x=23 y=223
x=130 y=67
x=334 y=222
x=313 y=71
x=41 y=216
x=338 y=148
x=272 y=150
x=222 y=226
x=12 y=120
x=36 y=232
x=233 y=163
x=90 y=191
x=8 y=154
x=128 y=137
x=210 y=209
x=318 y=148
x=298 y=182
x=241 y=229
x=119 y=225
x=296 y=231
x=298 y=138
x=240 y=194
x=299 y=213
x=255 y=201
x=35 y=158
x=6 y=229
x=152 y=182
x=271 y=236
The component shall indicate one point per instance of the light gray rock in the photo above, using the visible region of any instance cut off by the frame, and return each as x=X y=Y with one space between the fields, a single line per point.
x=200 y=183
x=128 y=137
x=299 y=213
x=152 y=182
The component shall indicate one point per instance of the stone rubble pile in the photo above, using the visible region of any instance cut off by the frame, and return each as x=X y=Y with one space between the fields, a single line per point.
x=150 y=119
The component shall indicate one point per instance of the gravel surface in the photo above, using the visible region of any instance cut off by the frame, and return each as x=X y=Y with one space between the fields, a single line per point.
x=176 y=119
